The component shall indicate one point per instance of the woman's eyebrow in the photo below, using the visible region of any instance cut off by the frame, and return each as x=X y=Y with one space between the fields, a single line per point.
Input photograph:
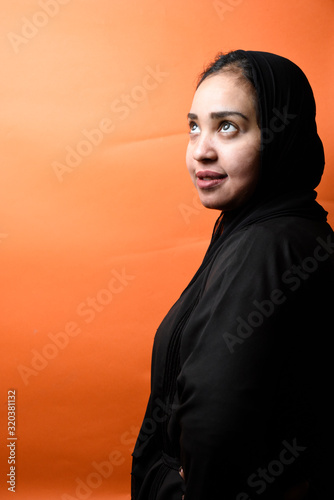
x=223 y=114
x=216 y=115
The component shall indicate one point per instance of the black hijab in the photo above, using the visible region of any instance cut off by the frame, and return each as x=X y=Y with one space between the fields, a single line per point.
x=292 y=152
x=291 y=157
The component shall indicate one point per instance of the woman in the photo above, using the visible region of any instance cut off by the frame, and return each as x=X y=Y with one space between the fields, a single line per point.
x=241 y=368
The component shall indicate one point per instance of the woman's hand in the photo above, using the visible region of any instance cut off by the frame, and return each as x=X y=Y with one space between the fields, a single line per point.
x=182 y=475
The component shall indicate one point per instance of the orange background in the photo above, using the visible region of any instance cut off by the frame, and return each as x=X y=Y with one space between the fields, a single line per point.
x=100 y=226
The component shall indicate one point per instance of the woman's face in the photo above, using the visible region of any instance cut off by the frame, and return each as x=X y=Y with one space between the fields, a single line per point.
x=223 y=153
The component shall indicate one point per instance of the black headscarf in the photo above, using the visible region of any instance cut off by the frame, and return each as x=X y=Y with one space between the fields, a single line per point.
x=292 y=155
x=292 y=152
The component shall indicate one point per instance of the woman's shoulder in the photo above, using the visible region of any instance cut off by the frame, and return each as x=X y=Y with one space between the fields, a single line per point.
x=282 y=240
x=298 y=232
x=273 y=254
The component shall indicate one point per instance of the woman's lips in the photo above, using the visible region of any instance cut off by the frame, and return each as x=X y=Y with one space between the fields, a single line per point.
x=206 y=179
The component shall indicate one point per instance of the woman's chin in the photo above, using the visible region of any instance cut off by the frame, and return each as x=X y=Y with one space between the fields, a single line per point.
x=214 y=204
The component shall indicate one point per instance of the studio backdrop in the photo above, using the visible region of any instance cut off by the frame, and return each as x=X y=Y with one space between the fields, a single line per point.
x=100 y=226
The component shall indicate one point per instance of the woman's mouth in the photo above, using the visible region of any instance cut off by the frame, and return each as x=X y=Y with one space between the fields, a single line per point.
x=206 y=179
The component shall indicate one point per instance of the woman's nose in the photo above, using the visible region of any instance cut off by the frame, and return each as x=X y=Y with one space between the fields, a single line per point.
x=204 y=149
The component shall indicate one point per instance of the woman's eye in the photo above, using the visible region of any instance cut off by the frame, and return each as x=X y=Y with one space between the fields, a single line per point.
x=228 y=127
x=193 y=128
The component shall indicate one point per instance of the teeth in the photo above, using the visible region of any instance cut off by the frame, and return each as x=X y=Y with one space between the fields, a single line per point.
x=206 y=178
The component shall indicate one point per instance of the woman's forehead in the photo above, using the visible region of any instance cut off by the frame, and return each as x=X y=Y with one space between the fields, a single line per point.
x=223 y=91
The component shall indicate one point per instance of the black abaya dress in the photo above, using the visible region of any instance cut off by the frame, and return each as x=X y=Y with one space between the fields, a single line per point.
x=241 y=368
